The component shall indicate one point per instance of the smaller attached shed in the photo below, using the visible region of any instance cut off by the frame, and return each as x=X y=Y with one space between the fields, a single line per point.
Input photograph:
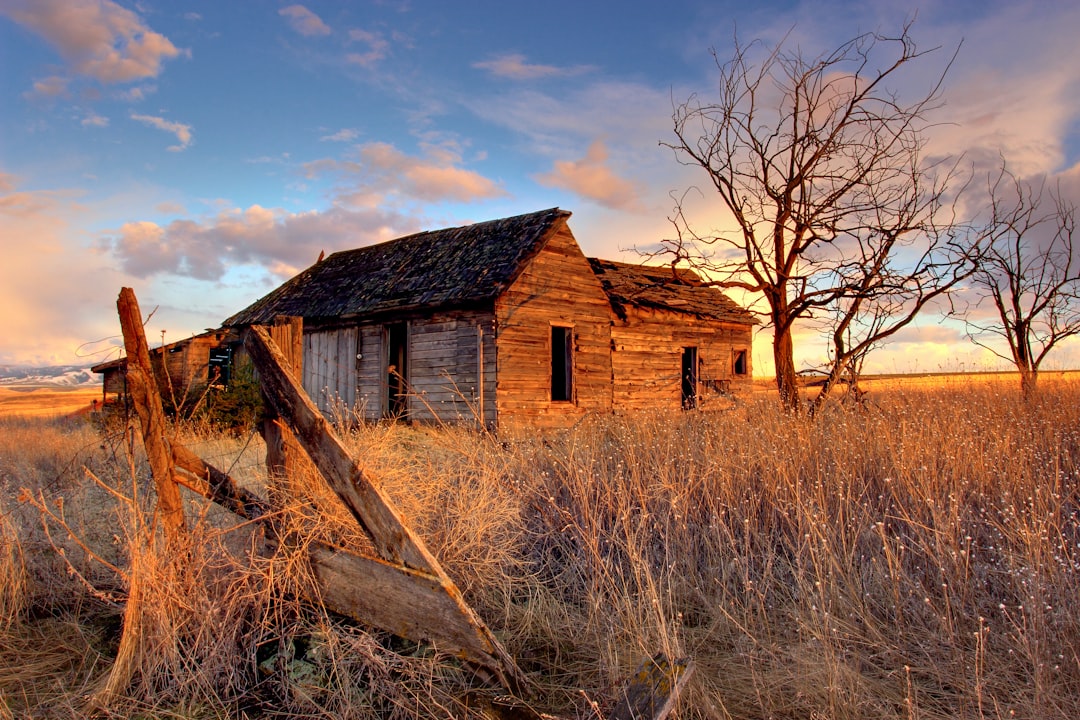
x=675 y=341
x=182 y=368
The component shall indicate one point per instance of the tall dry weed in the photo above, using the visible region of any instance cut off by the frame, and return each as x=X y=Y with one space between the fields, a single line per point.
x=918 y=557
x=13 y=594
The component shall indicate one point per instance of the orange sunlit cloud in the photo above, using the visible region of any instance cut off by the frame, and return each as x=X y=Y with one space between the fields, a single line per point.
x=304 y=21
x=592 y=178
x=98 y=38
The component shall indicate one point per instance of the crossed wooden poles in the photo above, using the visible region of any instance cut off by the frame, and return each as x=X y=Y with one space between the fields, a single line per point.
x=404 y=590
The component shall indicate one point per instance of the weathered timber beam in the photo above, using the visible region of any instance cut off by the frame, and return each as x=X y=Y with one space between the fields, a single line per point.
x=147 y=402
x=408 y=567
x=408 y=603
x=216 y=485
x=393 y=540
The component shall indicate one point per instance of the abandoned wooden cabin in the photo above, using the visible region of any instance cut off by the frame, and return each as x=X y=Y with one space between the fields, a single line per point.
x=506 y=323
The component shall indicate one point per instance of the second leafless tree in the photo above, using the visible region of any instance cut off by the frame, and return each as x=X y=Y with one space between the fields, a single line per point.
x=1030 y=276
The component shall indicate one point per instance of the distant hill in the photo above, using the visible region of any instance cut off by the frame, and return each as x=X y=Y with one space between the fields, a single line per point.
x=65 y=376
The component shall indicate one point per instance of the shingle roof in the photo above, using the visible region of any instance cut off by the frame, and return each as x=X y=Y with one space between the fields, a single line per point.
x=440 y=268
x=682 y=291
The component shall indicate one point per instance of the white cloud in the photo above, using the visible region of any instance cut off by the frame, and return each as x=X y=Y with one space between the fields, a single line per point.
x=629 y=170
x=97 y=38
x=182 y=131
x=342 y=135
x=376 y=180
x=52 y=86
x=304 y=21
x=1016 y=99
x=136 y=94
x=281 y=242
x=1013 y=86
x=170 y=208
x=92 y=119
x=55 y=293
x=376 y=48
x=515 y=67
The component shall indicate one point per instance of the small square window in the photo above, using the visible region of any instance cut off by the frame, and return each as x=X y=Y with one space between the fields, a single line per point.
x=740 y=366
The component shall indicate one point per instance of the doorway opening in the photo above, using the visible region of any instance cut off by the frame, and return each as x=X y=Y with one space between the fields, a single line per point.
x=689 y=378
x=397 y=369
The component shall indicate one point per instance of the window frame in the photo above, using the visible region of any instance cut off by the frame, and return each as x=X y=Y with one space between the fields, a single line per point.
x=561 y=363
x=740 y=356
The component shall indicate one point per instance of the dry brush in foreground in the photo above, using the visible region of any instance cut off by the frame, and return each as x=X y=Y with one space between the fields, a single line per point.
x=917 y=558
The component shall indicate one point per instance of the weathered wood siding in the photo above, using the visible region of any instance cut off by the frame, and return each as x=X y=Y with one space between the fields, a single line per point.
x=347 y=367
x=557 y=288
x=444 y=357
x=114 y=380
x=182 y=368
x=330 y=369
x=370 y=381
x=647 y=358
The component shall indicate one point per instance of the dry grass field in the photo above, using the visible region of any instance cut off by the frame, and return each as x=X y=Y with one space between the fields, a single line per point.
x=46 y=401
x=914 y=557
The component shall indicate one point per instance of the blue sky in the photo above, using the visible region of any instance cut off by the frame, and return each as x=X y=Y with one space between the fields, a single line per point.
x=203 y=152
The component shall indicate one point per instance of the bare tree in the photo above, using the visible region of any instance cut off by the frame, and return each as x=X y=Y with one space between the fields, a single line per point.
x=841 y=221
x=1031 y=276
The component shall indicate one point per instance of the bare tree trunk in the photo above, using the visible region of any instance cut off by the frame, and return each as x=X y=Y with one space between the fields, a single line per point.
x=1029 y=378
x=786 y=377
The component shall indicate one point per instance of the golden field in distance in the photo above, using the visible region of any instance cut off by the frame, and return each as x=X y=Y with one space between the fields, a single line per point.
x=931 y=381
x=49 y=401
x=45 y=401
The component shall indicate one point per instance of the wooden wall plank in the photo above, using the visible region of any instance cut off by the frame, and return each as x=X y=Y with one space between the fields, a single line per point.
x=647 y=358
x=557 y=288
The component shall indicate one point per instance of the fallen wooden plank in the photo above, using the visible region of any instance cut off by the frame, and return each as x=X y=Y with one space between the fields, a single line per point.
x=408 y=603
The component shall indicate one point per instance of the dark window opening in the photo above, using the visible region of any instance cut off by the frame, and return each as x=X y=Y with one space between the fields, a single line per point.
x=740 y=362
x=397 y=369
x=218 y=365
x=689 y=378
x=562 y=364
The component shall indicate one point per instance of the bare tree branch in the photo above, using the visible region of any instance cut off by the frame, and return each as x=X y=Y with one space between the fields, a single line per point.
x=841 y=221
x=1030 y=275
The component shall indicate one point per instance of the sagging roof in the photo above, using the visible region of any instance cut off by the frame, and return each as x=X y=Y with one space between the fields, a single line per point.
x=214 y=335
x=118 y=363
x=439 y=268
x=661 y=288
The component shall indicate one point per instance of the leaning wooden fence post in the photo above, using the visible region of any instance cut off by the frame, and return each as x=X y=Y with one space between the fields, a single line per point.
x=147 y=402
x=404 y=590
x=282 y=450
